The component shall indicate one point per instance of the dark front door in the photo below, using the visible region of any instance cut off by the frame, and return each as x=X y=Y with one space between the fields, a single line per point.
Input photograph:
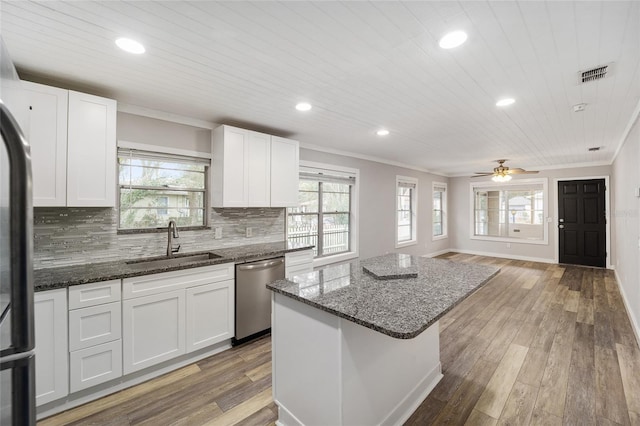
x=582 y=222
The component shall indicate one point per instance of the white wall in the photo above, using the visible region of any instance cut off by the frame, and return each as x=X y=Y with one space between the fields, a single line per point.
x=460 y=215
x=377 y=204
x=626 y=222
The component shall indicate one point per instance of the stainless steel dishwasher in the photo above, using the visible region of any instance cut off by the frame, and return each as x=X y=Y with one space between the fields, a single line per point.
x=253 y=299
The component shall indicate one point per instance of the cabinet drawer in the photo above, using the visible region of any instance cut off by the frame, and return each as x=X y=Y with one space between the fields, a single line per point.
x=298 y=258
x=168 y=281
x=95 y=365
x=82 y=296
x=297 y=270
x=94 y=325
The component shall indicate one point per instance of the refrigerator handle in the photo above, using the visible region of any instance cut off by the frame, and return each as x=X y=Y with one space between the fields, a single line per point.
x=21 y=233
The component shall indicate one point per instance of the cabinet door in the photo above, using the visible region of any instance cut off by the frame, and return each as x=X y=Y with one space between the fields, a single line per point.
x=52 y=365
x=95 y=365
x=284 y=172
x=259 y=167
x=230 y=173
x=47 y=134
x=152 y=329
x=209 y=314
x=91 y=167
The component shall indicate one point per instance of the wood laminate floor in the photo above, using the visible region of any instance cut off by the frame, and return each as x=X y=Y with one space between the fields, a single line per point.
x=539 y=344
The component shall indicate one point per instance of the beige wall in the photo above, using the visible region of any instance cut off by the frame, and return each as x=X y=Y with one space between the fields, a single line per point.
x=626 y=222
x=377 y=204
x=460 y=214
x=139 y=129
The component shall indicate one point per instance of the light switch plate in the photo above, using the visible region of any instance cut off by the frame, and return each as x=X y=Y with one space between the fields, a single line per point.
x=637 y=192
x=249 y=231
x=217 y=232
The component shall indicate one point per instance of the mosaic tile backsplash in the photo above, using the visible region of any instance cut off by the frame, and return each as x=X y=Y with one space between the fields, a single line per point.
x=66 y=236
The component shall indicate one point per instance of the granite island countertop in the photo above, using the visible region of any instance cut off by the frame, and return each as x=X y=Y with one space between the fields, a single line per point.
x=65 y=276
x=402 y=307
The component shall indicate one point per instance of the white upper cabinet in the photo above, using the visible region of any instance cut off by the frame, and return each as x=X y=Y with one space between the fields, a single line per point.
x=259 y=166
x=73 y=144
x=252 y=169
x=91 y=169
x=284 y=172
x=42 y=114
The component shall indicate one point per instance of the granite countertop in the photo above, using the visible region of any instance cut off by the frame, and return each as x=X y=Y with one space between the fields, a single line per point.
x=51 y=278
x=401 y=308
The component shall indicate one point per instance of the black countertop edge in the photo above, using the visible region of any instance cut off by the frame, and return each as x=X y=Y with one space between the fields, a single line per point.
x=394 y=334
x=67 y=276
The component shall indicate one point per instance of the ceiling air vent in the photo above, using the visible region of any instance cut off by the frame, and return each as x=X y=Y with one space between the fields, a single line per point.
x=593 y=74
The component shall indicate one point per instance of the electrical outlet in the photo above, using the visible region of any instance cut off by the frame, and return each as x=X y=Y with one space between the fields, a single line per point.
x=249 y=231
x=217 y=232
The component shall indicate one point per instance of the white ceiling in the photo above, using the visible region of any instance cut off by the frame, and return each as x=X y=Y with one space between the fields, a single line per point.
x=363 y=65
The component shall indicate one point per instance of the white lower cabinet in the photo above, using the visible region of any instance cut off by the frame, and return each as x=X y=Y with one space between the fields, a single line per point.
x=172 y=313
x=95 y=365
x=209 y=314
x=95 y=329
x=153 y=329
x=52 y=363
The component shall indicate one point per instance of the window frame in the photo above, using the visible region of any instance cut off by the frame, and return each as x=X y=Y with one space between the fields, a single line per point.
x=505 y=186
x=413 y=210
x=443 y=214
x=201 y=157
x=353 y=216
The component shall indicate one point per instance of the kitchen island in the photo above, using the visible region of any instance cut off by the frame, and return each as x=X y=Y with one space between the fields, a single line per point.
x=358 y=343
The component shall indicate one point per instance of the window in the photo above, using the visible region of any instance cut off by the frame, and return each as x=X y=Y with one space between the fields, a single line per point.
x=155 y=188
x=439 y=210
x=406 y=210
x=510 y=211
x=325 y=215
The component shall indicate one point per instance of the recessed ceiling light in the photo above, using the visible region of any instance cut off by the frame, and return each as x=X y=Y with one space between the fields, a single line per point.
x=303 y=106
x=453 y=39
x=130 y=46
x=505 y=102
x=382 y=132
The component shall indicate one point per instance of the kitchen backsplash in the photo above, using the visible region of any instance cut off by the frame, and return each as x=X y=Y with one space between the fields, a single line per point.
x=70 y=235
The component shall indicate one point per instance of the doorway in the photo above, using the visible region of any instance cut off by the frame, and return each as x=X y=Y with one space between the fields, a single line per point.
x=582 y=224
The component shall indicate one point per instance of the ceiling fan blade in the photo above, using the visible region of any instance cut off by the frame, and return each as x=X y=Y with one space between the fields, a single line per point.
x=482 y=175
x=522 y=172
x=516 y=169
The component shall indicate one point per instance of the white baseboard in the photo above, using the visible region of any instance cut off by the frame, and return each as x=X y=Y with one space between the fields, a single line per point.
x=412 y=401
x=627 y=305
x=437 y=253
x=504 y=256
x=400 y=413
x=82 y=397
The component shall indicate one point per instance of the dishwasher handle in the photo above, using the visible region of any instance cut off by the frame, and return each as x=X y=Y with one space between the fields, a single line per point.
x=260 y=265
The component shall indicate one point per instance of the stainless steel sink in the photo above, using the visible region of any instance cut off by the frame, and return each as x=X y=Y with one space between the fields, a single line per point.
x=162 y=262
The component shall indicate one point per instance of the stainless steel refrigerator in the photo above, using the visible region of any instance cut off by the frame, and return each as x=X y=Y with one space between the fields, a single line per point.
x=17 y=342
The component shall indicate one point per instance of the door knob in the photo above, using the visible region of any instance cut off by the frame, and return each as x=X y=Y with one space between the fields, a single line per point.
x=560 y=220
x=561 y=226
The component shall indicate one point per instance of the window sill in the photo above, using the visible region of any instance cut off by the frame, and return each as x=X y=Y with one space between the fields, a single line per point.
x=406 y=243
x=510 y=240
x=342 y=257
x=439 y=237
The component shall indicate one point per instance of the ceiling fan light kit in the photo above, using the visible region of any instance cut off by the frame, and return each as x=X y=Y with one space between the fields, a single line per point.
x=503 y=173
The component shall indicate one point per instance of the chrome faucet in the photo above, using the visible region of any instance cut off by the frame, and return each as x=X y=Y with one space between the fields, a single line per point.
x=172 y=231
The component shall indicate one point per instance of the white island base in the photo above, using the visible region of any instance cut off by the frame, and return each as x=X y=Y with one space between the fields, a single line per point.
x=331 y=371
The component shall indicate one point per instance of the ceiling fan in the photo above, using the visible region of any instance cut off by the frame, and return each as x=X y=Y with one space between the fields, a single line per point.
x=503 y=173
